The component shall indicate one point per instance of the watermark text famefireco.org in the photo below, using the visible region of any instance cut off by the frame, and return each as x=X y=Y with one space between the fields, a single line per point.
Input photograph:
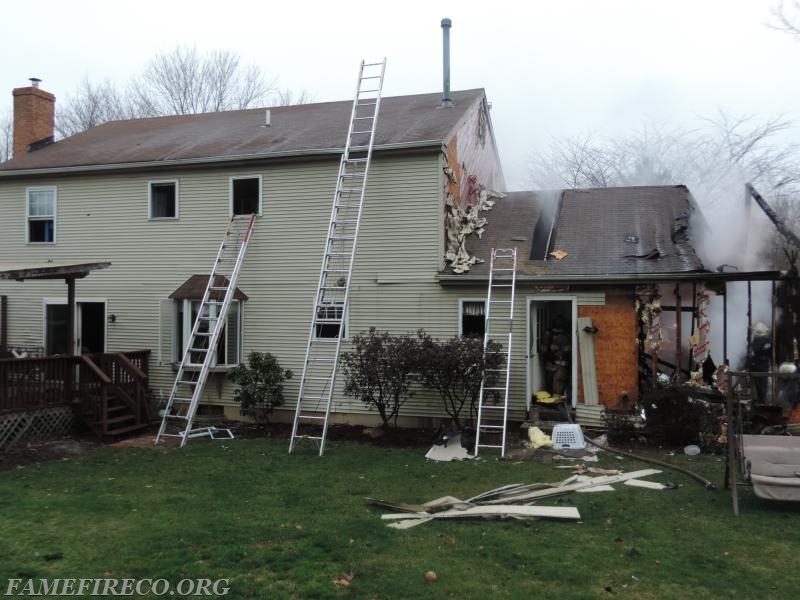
x=115 y=587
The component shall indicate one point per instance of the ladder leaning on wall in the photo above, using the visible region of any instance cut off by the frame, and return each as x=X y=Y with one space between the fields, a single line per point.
x=333 y=291
x=493 y=414
x=200 y=350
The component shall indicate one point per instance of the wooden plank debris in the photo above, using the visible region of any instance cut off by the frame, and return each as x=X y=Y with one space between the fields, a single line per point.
x=498 y=512
x=514 y=501
x=532 y=496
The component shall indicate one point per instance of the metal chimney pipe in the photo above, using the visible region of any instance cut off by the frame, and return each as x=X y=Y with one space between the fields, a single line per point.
x=446 y=101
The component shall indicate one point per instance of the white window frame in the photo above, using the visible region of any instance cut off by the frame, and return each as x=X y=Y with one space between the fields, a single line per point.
x=461 y=302
x=29 y=217
x=260 y=192
x=186 y=331
x=150 y=185
x=346 y=326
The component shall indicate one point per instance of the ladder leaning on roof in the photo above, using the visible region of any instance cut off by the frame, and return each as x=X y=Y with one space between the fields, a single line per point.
x=333 y=291
x=200 y=351
x=493 y=416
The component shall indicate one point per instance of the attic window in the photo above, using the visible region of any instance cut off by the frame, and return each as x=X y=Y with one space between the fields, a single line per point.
x=246 y=195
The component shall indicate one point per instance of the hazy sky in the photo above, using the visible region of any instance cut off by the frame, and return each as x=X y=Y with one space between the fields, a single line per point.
x=550 y=68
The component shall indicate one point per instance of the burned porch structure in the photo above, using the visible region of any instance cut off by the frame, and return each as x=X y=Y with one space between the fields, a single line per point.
x=615 y=269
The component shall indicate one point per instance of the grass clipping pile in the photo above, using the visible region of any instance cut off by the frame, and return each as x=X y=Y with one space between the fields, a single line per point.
x=513 y=501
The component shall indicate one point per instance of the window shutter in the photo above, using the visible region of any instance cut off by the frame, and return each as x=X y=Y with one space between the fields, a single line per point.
x=166 y=330
x=233 y=329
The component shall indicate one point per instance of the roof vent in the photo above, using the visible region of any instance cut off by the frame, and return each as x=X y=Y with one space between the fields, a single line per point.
x=268 y=119
x=35 y=81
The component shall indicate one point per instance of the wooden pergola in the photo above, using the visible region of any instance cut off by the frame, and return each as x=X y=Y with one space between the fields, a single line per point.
x=68 y=272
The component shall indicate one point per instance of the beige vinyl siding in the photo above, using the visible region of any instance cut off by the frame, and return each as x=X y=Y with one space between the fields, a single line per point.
x=105 y=217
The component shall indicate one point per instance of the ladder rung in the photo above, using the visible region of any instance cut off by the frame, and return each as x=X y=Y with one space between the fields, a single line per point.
x=491 y=426
x=367 y=91
x=185 y=382
x=489 y=446
x=308 y=437
x=311 y=417
x=357 y=161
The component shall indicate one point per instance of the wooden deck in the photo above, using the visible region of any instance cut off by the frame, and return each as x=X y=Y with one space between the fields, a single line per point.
x=108 y=392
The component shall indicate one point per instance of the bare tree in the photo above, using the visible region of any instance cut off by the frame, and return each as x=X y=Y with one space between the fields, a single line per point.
x=287 y=97
x=701 y=157
x=90 y=106
x=184 y=81
x=6 y=137
x=787 y=19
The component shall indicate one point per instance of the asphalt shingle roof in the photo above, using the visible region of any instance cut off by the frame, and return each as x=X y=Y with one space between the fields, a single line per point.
x=305 y=128
x=604 y=231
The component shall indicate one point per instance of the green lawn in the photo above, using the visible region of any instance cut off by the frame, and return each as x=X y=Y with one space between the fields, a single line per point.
x=281 y=526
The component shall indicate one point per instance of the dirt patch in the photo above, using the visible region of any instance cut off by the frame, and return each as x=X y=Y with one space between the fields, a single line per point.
x=46 y=450
x=375 y=436
x=61 y=448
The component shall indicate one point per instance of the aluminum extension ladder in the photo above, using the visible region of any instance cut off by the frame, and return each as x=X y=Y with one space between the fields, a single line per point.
x=200 y=347
x=493 y=415
x=333 y=292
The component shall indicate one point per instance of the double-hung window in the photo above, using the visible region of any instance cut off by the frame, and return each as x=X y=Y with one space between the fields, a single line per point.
x=40 y=215
x=163 y=200
x=330 y=317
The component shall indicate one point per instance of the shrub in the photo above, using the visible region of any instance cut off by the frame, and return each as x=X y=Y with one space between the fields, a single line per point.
x=260 y=382
x=380 y=370
x=674 y=418
x=454 y=368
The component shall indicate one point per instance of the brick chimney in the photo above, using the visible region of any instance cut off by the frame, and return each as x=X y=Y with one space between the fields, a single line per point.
x=34 y=114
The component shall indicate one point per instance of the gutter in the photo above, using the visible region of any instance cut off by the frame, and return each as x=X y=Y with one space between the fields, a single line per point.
x=211 y=160
x=456 y=280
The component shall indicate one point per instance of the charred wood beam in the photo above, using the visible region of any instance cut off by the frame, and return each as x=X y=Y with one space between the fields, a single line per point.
x=773 y=216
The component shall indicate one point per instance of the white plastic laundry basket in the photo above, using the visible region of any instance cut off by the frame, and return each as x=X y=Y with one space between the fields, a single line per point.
x=568 y=436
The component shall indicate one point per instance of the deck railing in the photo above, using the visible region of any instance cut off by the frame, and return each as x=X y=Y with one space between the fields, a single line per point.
x=30 y=383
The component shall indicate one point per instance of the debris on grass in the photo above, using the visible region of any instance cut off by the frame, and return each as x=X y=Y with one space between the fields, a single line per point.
x=509 y=501
x=343 y=580
x=450 y=450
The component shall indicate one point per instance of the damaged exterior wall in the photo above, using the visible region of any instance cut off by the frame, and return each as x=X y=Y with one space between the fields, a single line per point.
x=472 y=181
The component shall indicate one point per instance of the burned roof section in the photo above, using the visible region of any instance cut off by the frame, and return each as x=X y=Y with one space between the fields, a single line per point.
x=405 y=121
x=597 y=231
